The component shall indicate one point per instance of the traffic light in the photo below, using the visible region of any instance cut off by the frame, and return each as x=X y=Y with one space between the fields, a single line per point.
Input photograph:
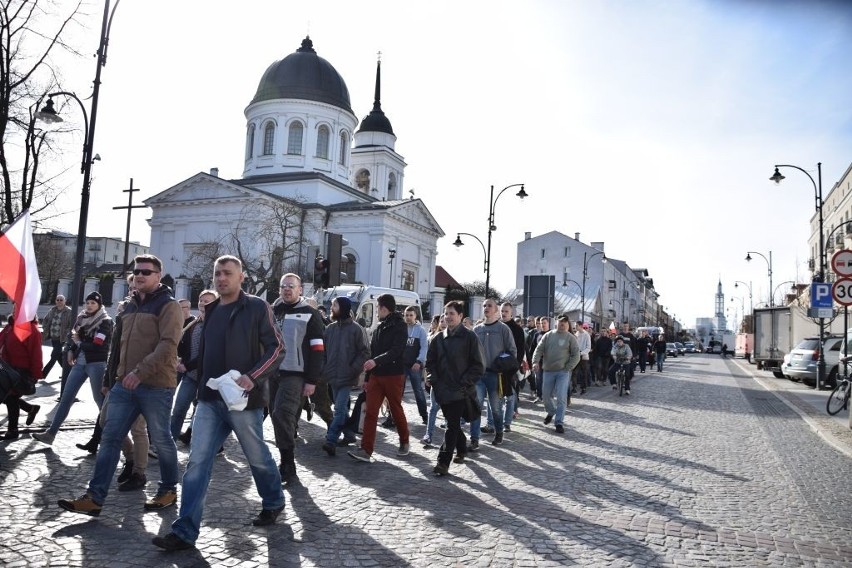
x=321 y=272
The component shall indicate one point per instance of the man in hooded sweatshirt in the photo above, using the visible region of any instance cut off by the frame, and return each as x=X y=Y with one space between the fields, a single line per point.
x=347 y=351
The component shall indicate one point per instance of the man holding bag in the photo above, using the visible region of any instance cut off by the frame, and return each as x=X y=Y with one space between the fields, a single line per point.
x=239 y=335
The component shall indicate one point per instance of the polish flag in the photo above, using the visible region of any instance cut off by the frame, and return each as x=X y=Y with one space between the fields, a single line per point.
x=19 y=273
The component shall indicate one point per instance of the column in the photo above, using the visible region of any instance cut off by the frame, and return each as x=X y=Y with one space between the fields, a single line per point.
x=182 y=289
x=63 y=288
x=91 y=285
x=476 y=307
x=436 y=301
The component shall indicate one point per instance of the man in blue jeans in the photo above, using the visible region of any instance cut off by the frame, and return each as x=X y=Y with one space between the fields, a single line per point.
x=239 y=334
x=147 y=335
x=556 y=355
x=496 y=339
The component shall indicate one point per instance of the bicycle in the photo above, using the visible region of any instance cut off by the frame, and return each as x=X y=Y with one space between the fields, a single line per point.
x=839 y=397
x=620 y=376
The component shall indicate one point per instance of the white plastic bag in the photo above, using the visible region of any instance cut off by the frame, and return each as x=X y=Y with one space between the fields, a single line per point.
x=235 y=396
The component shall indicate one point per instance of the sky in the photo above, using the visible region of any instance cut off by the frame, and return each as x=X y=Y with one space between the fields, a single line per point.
x=650 y=126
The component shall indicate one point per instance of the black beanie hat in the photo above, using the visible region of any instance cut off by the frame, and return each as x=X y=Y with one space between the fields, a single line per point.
x=95 y=296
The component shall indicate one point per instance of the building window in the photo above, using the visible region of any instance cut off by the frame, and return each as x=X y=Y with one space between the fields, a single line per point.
x=294 y=139
x=268 y=139
x=322 y=142
x=542 y=253
x=392 y=193
x=362 y=180
x=250 y=142
x=344 y=145
x=612 y=285
x=408 y=278
x=565 y=252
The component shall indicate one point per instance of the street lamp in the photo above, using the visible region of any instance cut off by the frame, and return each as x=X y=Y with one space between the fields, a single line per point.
x=586 y=277
x=49 y=114
x=391 y=255
x=775 y=290
x=750 y=297
x=459 y=243
x=492 y=204
x=769 y=264
x=820 y=275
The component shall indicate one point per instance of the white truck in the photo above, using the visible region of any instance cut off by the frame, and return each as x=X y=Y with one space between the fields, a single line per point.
x=717 y=342
x=364 y=304
x=778 y=330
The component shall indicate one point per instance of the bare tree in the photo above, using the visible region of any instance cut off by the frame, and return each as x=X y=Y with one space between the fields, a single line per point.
x=202 y=255
x=268 y=237
x=53 y=262
x=31 y=32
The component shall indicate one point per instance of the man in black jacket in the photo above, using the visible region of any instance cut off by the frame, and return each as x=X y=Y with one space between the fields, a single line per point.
x=387 y=378
x=239 y=334
x=453 y=365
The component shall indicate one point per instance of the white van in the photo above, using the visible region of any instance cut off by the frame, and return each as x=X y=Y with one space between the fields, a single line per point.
x=364 y=304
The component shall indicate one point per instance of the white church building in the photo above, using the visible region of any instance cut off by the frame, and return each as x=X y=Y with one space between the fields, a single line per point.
x=310 y=169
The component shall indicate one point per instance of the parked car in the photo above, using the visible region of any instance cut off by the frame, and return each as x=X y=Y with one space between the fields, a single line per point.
x=803 y=359
x=689 y=346
x=681 y=350
x=671 y=350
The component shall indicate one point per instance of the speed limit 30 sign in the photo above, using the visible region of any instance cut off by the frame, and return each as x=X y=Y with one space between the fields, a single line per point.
x=842 y=291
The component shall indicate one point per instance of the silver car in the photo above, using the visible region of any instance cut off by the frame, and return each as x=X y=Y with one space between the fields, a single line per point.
x=801 y=362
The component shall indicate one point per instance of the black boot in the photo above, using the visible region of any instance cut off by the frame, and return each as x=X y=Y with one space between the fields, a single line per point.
x=91 y=446
x=287 y=469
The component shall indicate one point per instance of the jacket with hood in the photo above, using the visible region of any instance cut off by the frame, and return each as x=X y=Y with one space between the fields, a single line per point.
x=346 y=351
x=302 y=330
x=145 y=339
x=388 y=345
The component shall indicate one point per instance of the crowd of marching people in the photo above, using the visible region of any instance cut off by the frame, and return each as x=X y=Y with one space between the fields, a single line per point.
x=154 y=364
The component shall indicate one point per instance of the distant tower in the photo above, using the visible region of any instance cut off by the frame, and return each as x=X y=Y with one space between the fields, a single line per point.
x=721 y=324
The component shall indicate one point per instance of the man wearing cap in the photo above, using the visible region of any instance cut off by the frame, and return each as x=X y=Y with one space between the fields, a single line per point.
x=346 y=351
x=57 y=326
x=584 y=342
x=148 y=332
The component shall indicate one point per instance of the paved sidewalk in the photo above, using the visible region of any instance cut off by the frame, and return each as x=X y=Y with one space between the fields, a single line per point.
x=700 y=466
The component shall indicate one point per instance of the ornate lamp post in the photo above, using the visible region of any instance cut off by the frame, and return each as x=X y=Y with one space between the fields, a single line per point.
x=820 y=274
x=459 y=243
x=49 y=114
x=769 y=264
x=492 y=203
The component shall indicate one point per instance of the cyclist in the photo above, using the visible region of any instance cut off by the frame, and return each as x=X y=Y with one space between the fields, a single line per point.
x=622 y=355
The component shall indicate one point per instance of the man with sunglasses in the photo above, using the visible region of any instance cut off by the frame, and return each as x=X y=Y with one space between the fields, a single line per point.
x=146 y=337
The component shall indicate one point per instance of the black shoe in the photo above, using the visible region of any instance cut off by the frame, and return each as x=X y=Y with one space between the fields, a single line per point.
x=507 y=428
x=548 y=419
x=289 y=477
x=441 y=470
x=11 y=434
x=329 y=448
x=267 y=517
x=459 y=458
x=171 y=542
x=388 y=423
x=348 y=438
x=487 y=430
x=136 y=481
x=186 y=437
x=560 y=429
x=473 y=446
x=31 y=414
x=124 y=476
x=425 y=419
x=91 y=446
x=498 y=439
x=583 y=391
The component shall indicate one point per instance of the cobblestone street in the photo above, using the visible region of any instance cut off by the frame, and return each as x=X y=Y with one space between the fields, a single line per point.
x=702 y=465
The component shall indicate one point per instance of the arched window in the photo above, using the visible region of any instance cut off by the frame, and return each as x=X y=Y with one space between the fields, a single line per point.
x=362 y=180
x=322 y=142
x=344 y=145
x=268 y=139
x=392 y=187
x=250 y=142
x=294 y=139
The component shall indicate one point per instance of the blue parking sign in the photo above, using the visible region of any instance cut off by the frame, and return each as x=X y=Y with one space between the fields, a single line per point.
x=821 y=295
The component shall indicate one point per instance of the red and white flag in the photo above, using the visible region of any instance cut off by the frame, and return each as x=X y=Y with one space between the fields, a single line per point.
x=19 y=273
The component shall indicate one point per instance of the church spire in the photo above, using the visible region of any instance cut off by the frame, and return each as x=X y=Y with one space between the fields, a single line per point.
x=376 y=121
